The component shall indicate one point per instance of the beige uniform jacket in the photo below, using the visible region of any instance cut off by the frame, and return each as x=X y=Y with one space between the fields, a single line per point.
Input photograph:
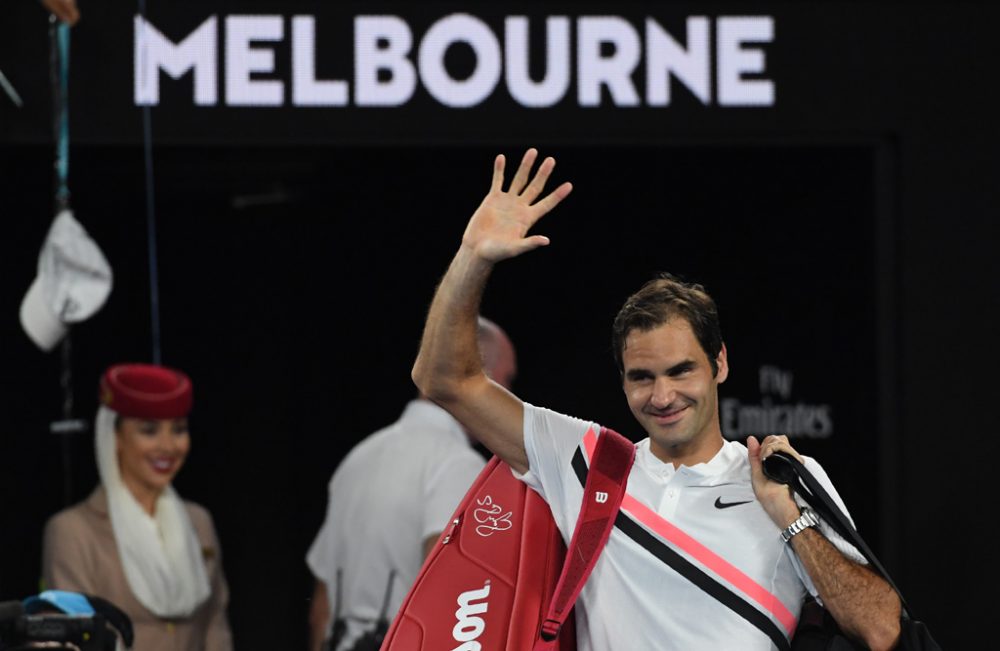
x=80 y=555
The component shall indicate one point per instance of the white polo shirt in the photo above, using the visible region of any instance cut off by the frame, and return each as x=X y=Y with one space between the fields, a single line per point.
x=693 y=563
x=393 y=490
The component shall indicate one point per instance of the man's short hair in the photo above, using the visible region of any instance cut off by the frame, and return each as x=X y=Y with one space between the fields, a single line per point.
x=664 y=298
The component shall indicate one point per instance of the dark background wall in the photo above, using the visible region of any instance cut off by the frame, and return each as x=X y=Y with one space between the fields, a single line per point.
x=847 y=232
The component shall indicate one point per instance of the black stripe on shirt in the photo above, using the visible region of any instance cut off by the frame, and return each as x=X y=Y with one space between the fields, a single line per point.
x=688 y=570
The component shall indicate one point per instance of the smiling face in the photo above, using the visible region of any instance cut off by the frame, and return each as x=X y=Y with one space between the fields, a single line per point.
x=672 y=392
x=150 y=453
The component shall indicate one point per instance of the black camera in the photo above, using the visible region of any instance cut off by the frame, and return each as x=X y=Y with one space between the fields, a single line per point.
x=63 y=620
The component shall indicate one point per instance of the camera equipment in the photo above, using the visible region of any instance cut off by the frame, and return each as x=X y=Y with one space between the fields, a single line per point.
x=63 y=620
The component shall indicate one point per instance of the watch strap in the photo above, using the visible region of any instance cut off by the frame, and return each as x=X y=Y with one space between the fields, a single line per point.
x=804 y=521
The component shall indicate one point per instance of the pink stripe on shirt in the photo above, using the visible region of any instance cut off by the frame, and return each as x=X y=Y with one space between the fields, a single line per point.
x=700 y=552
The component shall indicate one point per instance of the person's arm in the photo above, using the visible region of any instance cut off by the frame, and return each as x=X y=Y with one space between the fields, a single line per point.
x=863 y=603
x=319 y=616
x=218 y=634
x=64 y=10
x=65 y=563
x=448 y=369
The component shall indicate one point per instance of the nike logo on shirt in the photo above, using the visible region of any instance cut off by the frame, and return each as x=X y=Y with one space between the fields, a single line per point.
x=719 y=504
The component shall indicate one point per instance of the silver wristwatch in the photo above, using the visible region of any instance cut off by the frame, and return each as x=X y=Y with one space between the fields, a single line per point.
x=804 y=521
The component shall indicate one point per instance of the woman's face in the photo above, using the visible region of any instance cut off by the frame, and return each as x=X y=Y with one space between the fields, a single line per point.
x=151 y=452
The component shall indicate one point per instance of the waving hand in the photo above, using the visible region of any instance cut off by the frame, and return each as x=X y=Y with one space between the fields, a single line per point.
x=499 y=228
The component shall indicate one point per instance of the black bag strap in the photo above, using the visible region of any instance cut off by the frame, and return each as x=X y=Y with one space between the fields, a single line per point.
x=338 y=627
x=115 y=616
x=602 y=499
x=382 y=625
x=786 y=469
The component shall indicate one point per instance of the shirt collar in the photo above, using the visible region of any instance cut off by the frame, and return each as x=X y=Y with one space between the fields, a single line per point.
x=719 y=465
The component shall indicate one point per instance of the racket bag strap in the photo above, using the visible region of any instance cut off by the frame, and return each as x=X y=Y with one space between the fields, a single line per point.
x=602 y=498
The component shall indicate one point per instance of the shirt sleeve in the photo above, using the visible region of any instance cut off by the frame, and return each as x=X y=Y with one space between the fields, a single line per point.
x=446 y=487
x=838 y=541
x=320 y=555
x=550 y=441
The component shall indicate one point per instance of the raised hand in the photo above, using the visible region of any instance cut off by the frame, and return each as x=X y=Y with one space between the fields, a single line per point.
x=64 y=10
x=499 y=227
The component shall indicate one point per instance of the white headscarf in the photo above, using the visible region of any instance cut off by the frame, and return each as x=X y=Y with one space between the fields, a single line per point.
x=161 y=555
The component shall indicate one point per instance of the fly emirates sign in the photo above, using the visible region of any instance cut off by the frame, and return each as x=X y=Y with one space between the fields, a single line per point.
x=587 y=60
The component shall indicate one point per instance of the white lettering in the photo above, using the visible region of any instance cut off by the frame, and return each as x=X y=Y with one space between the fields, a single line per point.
x=798 y=420
x=735 y=61
x=614 y=70
x=555 y=83
x=664 y=56
x=459 y=28
x=469 y=646
x=242 y=60
x=470 y=626
x=772 y=379
x=154 y=51
x=306 y=89
x=370 y=58
x=390 y=61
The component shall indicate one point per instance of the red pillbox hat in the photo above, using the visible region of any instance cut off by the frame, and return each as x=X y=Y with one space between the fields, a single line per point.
x=146 y=391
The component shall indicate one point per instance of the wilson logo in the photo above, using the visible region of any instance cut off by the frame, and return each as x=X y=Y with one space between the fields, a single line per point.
x=601 y=497
x=470 y=625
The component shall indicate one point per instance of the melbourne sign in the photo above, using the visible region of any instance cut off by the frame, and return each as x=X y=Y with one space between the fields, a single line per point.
x=587 y=61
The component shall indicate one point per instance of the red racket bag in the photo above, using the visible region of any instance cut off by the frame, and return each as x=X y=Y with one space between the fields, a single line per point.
x=488 y=583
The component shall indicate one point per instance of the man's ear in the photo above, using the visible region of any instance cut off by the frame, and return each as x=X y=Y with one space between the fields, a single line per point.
x=722 y=362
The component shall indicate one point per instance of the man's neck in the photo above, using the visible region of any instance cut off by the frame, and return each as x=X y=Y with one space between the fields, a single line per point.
x=688 y=454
